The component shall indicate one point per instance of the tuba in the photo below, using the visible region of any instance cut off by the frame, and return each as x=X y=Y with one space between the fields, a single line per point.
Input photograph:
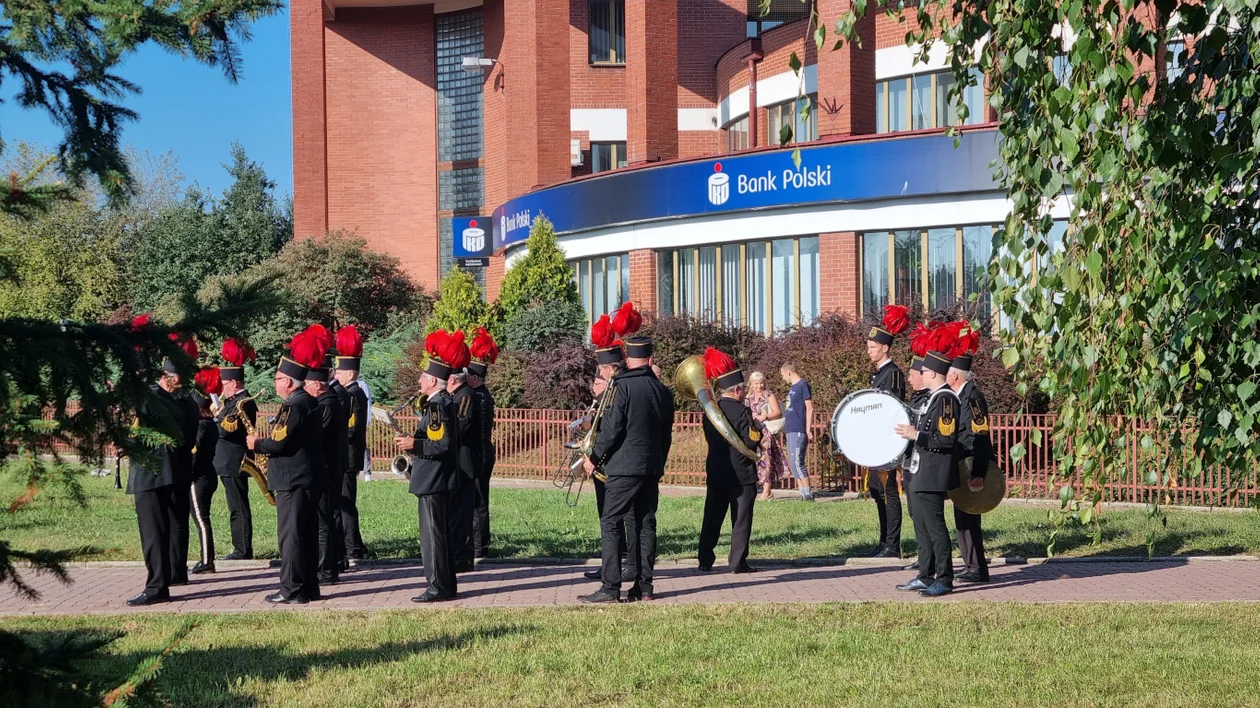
x=401 y=464
x=690 y=381
x=255 y=466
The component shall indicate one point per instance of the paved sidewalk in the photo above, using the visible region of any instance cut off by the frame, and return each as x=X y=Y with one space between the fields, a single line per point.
x=103 y=590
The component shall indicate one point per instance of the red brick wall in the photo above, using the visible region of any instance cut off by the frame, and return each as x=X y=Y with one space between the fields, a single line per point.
x=708 y=29
x=838 y=273
x=382 y=147
x=310 y=167
x=777 y=45
x=599 y=86
x=494 y=277
x=651 y=80
x=495 y=109
x=846 y=79
x=643 y=279
x=701 y=143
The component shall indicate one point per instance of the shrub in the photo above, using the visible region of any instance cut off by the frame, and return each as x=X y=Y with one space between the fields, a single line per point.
x=560 y=378
x=541 y=277
x=460 y=305
x=507 y=379
x=545 y=326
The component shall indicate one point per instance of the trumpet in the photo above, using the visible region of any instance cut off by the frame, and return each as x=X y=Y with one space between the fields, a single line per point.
x=401 y=464
x=255 y=466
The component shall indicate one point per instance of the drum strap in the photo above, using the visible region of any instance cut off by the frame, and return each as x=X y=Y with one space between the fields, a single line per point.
x=914 y=456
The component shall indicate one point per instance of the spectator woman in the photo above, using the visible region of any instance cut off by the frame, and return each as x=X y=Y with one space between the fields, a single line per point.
x=773 y=464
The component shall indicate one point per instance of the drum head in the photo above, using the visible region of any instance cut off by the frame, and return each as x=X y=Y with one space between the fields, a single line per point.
x=863 y=429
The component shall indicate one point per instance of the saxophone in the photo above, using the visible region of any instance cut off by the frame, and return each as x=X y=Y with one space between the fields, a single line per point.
x=255 y=466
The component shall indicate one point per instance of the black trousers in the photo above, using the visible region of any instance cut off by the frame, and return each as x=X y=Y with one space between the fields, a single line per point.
x=153 y=512
x=717 y=500
x=463 y=503
x=638 y=497
x=439 y=558
x=888 y=505
x=181 y=508
x=297 y=527
x=332 y=537
x=239 y=514
x=905 y=484
x=203 y=489
x=481 y=515
x=350 y=515
x=935 y=550
x=971 y=543
x=601 y=491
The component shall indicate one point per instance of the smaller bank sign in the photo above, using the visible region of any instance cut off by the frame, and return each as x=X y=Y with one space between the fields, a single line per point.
x=473 y=241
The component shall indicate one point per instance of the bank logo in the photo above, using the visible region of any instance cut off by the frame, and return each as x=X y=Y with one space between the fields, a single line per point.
x=719 y=186
x=474 y=238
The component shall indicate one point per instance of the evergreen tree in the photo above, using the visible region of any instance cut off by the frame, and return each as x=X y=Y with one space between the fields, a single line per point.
x=541 y=277
x=460 y=305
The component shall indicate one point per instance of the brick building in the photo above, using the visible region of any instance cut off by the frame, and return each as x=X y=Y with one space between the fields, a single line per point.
x=628 y=123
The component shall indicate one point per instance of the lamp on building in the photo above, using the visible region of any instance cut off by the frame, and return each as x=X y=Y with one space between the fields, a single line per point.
x=476 y=64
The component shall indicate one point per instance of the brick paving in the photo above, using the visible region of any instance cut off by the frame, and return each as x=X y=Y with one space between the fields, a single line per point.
x=102 y=589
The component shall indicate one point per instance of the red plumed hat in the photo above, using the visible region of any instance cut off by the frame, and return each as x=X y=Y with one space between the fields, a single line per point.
x=439 y=346
x=207 y=379
x=236 y=352
x=322 y=336
x=602 y=334
x=945 y=338
x=139 y=322
x=720 y=368
x=627 y=320
x=457 y=351
x=349 y=342
x=484 y=352
x=921 y=338
x=306 y=349
x=896 y=319
x=187 y=342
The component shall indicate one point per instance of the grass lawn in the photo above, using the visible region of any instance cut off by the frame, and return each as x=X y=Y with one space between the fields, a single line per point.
x=536 y=523
x=768 y=655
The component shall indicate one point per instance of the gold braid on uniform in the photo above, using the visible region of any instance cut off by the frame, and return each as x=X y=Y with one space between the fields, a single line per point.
x=436 y=429
x=945 y=424
x=979 y=421
x=281 y=431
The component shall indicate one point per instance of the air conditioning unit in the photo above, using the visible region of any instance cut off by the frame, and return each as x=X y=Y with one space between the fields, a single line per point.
x=575 y=153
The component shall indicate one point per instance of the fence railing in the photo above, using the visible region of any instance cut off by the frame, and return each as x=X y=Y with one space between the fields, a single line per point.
x=530 y=445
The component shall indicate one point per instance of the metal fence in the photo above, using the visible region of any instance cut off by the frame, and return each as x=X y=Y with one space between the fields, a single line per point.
x=530 y=445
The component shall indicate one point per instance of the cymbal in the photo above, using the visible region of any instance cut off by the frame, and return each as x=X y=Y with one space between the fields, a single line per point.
x=986 y=499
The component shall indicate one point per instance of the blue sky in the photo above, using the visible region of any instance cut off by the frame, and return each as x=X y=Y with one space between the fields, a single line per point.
x=193 y=110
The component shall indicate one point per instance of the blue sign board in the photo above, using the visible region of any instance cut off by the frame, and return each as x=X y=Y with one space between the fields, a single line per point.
x=472 y=242
x=865 y=170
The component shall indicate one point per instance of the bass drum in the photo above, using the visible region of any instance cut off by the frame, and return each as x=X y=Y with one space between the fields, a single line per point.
x=862 y=429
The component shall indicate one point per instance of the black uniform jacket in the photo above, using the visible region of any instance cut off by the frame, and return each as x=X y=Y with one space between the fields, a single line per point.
x=434 y=467
x=231 y=448
x=724 y=466
x=468 y=414
x=637 y=429
x=889 y=378
x=973 y=429
x=294 y=449
x=173 y=463
x=918 y=406
x=203 y=452
x=937 y=444
x=332 y=424
x=488 y=453
x=357 y=423
x=347 y=403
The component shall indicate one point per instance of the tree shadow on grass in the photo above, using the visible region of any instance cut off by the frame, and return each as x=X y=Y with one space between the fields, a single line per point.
x=207 y=676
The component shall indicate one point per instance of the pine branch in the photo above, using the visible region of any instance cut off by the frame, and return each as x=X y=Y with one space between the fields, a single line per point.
x=40 y=562
x=147 y=670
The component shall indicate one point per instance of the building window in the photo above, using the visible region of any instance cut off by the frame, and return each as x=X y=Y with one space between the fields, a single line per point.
x=603 y=283
x=607 y=32
x=789 y=113
x=766 y=286
x=1174 y=59
x=607 y=156
x=764 y=15
x=937 y=268
x=922 y=101
x=756 y=27
x=737 y=135
x=459 y=124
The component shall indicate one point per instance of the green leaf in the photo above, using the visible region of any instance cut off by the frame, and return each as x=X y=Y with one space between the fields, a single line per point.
x=1010 y=357
x=1093 y=263
x=820 y=36
x=1087 y=515
x=1036 y=437
x=1071 y=148
x=1245 y=390
x=1224 y=418
x=795 y=63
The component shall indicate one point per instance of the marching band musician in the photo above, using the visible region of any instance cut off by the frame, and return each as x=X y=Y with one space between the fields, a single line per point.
x=484 y=353
x=205 y=481
x=295 y=471
x=935 y=438
x=918 y=406
x=888 y=378
x=231 y=450
x=610 y=359
x=434 y=468
x=155 y=490
x=631 y=449
x=332 y=423
x=336 y=485
x=730 y=477
x=974 y=442
x=468 y=456
x=349 y=356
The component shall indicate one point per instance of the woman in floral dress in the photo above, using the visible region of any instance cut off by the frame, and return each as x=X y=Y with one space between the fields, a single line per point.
x=773 y=464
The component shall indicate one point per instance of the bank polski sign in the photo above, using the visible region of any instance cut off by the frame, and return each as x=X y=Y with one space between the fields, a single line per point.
x=472 y=241
x=837 y=173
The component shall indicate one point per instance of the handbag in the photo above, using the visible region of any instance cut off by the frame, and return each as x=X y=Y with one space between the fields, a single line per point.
x=774 y=427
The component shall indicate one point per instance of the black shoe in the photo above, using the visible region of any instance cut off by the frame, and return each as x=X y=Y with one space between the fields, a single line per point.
x=431 y=597
x=972 y=576
x=181 y=581
x=706 y=569
x=356 y=556
x=874 y=553
x=465 y=567
x=600 y=597
x=326 y=578
x=937 y=589
x=913 y=585
x=637 y=597
x=279 y=598
x=745 y=568
x=593 y=574
x=887 y=553
x=202 y=568
x=145 y=598
x=912 y=566
x=236 y=556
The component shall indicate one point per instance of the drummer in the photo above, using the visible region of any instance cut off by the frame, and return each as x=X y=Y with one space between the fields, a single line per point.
x=887 y=377
x=973 y=438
